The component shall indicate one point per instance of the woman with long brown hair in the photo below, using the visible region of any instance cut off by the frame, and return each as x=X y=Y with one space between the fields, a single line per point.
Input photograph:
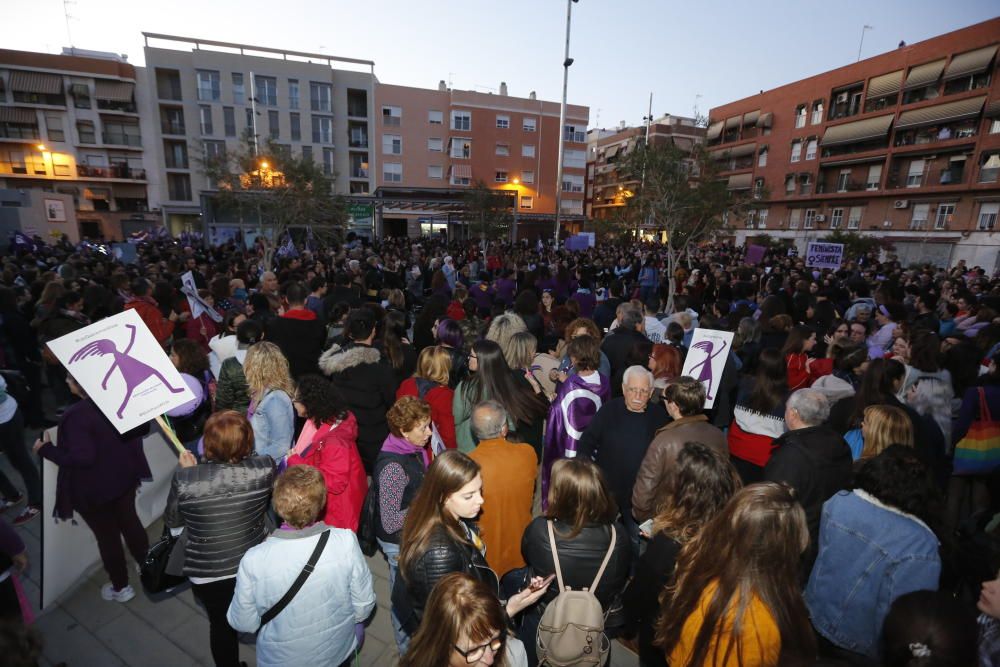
x=803 y=370
x=759 y=416
x=665 y=363
x=736 y=598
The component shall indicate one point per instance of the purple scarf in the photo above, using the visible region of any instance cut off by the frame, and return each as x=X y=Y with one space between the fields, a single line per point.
x=575 y=404
x=397 y=444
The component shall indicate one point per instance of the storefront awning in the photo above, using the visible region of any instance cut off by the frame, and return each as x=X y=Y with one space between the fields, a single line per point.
x=740 y=182
x=714 y=131
x=35 y=82
x=883 y=85
x=15 y=115
x=941 y=113
x=113 y=91
x=859 y=130
x=765 y=120
x=970 y=62
x=751 y=117
x=924 y=75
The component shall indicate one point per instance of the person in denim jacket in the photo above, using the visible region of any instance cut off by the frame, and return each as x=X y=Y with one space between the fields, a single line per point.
x=874 y=546
x=271 y=413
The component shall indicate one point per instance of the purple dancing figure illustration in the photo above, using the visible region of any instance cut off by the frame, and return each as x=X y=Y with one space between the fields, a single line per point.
x=133 y=371
x=705 y=374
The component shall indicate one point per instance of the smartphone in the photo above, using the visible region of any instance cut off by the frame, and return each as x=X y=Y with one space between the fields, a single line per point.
x=646 y=527
x=545 y=582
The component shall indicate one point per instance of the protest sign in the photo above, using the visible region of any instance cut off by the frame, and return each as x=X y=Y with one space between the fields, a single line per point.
x=123 y=369
x=755 y=253
x=706 y=360
x=196 y=303
x=824 y=255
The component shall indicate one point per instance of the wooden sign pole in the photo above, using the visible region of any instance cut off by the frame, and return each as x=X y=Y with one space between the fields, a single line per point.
x=171 y=436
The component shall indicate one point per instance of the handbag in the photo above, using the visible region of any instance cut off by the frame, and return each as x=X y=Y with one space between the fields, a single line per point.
x=978 y=452
x=153 y=569
x=280 y=605
x=367 y=538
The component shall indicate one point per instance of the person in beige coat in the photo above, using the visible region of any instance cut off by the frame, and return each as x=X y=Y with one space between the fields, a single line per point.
x=685 y=399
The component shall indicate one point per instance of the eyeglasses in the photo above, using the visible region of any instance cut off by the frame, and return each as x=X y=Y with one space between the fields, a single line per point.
x=475 y=654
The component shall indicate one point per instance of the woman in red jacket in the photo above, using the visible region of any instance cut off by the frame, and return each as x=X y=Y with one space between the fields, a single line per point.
x=328 y=442
x=430 y=382
x=802 y=369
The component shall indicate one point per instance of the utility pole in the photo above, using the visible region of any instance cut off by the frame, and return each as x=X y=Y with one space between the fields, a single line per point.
x=649 y=119
x=567 y=61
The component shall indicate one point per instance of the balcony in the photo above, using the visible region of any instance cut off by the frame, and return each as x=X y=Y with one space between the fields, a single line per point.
x=115 y=105
x=834 y=186
x=171 y=127
x=114 y=171
x=121 y=139
x=926 y=136
x=359 y=173
x=358 y=142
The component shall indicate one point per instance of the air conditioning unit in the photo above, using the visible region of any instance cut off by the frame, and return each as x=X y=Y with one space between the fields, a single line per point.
x=821 y=218
x=842 y=97
x=887 y=223
x=901 y=203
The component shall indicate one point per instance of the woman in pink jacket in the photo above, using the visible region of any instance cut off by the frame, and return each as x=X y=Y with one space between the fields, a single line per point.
x=329 y=442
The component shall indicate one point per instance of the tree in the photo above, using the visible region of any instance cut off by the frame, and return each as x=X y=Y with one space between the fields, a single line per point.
x=488 y=212
x=279 y=190
x=681 y=194
x=858 y=245
x=616 y=227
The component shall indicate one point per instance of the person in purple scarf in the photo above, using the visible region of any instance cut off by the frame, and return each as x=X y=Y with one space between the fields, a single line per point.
x=577 y=400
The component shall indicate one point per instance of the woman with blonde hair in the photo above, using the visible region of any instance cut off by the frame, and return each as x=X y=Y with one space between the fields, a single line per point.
x=502 y=328
x=736 y=598
x=430 y=382
x=884 y=425
x=271 y=389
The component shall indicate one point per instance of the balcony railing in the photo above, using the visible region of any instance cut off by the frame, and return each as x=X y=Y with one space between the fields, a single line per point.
x=114 y=171
x=171 y=127
x=120 y=139
x=358 y=143
x=359 y=173
x=926 y=136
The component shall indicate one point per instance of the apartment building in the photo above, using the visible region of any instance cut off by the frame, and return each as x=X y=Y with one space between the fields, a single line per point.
x=71 y=149
x=443 y=141
x=905 y=145
x=608 y=190
x=205 y=95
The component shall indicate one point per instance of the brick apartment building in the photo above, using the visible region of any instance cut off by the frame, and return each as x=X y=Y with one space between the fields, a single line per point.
x=905 y=145
x=71 y=151
x=607 y=189
x=440 y=142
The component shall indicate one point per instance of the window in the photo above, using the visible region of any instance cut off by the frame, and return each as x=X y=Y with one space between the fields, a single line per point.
x=228 y=121
x=320 y=97
x=811 y=149
x=990 y=167
x=529 y=124
x=80 y=92
x=762 y=158
x=758 y=188
x=503 y=150
x=527 y=203
x=572 y=206
x=574 y=133
x=208 y=86
x=817 y=113
x=995 y=126
x=988 y=216
x=175 y=154
x=796 y=151
x=874 y=177
x=500 y=176
x=179 y=187
x=239 y=91
x=54 y=128
x=794 y=218
x=307 y=152
x=293 y=93
x=392 y=144
x=392 y=172
x=503 y=122
x=322 y=130
x=919 y=219
x=790 y=184
x=461 y=120
x=854 y=217
x=214 y=150
x=205 y=120
x=295 y=123
x=572 y=183
x=273 y=124
x=527 y=177
x=435 y=144
x=945 y=216
x=805 y=184
x=527 y=150
x=915 y=174
x=800 y=116
x=461 y=148
x=810 y=219
x=456 y=179
x=85 y=131
x=267 y=90
x=328 y=161
x=435 y=117
x=843 y=179
x=762 y=218
x=836 y=218
x=435 y=171
x=575 y=159
x=391 y=116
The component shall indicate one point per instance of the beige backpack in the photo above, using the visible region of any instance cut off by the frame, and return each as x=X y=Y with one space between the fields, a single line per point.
x=571 y=631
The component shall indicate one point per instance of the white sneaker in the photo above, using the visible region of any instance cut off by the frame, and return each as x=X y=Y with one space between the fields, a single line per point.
x=109 y=593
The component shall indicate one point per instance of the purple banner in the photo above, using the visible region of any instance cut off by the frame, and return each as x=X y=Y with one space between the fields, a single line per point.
x=755 y=253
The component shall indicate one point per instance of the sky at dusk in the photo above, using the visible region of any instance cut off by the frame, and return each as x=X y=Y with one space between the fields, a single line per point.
x=687 y=54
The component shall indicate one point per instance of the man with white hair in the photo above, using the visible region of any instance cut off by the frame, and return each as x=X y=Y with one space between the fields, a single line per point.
x=810 y=457
x=618 y=436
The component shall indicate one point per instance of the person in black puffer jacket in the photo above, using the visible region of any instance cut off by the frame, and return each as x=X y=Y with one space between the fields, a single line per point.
x=583 y=511
x=365 y=380
x=221 y=505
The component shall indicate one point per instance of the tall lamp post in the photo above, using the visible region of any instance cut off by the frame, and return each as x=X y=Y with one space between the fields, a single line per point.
x=567 y=61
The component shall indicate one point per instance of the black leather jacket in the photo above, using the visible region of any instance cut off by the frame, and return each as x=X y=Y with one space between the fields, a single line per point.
x=443 y=555
x=222 y=509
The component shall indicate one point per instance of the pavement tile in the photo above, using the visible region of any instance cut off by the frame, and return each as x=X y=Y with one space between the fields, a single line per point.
x=378 y=654
x=380 y=626
x=165 y=613
x=139 y=643
x=65 y=640
x=88 y=608
x=192 y=637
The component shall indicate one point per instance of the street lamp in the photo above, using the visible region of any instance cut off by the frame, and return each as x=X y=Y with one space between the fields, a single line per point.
x=517 y=203
x=567 y=61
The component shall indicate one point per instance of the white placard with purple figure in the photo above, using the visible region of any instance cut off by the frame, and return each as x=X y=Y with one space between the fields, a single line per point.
x=706 y=359
x=123 y=369
x=195 y=302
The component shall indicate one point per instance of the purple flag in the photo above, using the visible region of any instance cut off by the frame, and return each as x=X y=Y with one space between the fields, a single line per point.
x=755 y=253
x=575 y=404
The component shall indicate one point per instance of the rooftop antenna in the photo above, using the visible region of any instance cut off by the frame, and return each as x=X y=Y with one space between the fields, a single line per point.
x=864 y=29
x=697 y=96
x=597 y=123
x=450 y=74
x=67 y=16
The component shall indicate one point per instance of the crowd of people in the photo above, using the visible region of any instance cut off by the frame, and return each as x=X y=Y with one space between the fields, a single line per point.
x=510 y=425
